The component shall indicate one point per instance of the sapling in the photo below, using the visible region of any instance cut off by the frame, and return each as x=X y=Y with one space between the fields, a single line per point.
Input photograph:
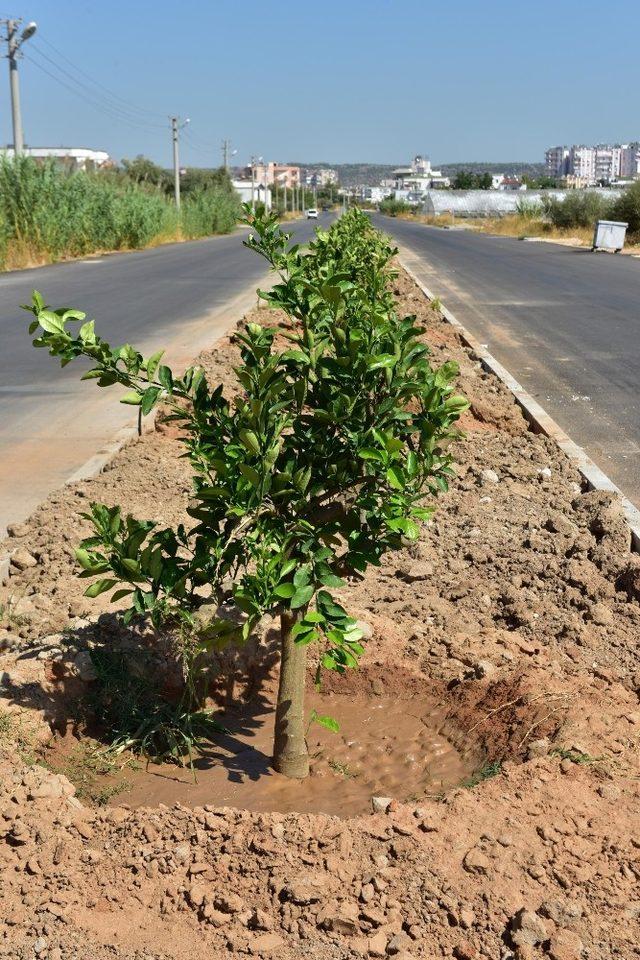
x=315 y=469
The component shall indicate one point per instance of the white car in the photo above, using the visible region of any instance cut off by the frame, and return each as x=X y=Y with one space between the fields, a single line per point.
x=312 y=213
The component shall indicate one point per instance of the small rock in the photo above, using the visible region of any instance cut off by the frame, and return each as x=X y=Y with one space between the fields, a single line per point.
x=467 y=919
x=40 y=945
x=17 y=529
x=483 y=668
x=565 y=945
x=476 y=862
x=527 y=929
x=465 y=951
x=21 y=559
x=399 y=942
x=266 y=943
x=538 y=748
x=84 y=666
x=544 y=473
x=341 y=924
x=489 y=476
x=380 y=804
x=377 y=945
x=609 y=791
x=601 y=614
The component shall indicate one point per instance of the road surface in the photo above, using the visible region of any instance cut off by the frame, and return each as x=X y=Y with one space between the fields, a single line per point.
x=564 y=321
x=179 y=296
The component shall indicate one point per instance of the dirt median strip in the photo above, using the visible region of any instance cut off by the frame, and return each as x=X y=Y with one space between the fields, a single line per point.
x=515 y=615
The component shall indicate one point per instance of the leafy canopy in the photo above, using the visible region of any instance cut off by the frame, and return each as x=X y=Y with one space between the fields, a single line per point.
x=312 y=471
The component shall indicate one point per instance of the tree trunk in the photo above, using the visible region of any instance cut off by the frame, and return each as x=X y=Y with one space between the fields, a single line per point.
x=290 y=754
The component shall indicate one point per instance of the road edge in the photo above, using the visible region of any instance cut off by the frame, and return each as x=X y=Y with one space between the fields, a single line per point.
x=537 y=416
x=97 y=462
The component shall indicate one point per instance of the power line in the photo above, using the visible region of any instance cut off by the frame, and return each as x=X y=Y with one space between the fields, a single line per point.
x=108 y=111
x=96 y=99
x=96 y=83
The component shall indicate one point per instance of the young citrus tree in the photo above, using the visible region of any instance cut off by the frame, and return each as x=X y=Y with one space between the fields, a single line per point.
x=318 y=467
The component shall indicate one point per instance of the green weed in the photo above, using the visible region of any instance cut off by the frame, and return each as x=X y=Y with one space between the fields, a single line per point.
x=485 y=772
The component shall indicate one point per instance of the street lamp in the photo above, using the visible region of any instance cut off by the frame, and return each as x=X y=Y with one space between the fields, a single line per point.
x=14 y=43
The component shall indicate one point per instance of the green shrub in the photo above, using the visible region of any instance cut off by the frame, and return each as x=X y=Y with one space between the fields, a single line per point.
x=393 y=207
x=579 y=208
x=318 y=466
x=207 y=211
x=627 y=208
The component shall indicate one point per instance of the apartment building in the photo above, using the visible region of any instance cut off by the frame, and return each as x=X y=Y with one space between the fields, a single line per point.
x=601 y=163
x=320 y=177
x=275 y=174
x=557 y=161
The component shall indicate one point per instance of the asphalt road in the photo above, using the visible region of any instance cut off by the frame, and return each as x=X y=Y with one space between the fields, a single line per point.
x=564 y=321
x=179 y=296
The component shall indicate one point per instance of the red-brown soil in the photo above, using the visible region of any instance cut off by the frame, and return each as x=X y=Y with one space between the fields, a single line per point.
x=515 y=616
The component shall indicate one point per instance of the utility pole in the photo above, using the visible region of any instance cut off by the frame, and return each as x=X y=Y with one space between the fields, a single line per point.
x=176 y=126
x=14 y=42
x=225 y=153
x=253 y=184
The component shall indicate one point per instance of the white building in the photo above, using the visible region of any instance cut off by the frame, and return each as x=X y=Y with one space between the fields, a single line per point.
x=557 y=161
x=602 y=163
x=320 y=177
x=75 y=158
x=250 y=193
x=630 y=161
x=411 y=183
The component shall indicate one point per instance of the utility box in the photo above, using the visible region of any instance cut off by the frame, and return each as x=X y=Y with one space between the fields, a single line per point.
x=609 y=235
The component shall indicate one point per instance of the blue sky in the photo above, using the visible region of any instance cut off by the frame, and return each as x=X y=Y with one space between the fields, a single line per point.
x=349 y=81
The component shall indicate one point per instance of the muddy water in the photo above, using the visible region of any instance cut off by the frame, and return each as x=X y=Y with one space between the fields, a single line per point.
x=386 y=746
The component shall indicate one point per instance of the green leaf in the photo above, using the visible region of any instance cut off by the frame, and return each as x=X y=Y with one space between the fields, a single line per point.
x=367 y=453
x=325 y=721
x=395 y=478
x=165 y=377
x=133 y=398
x=50 y=322
x=120 y=595
x=86 y=333
x=285 y=591
x=149 y=398
x=302 y=596
x=382 y=360
x=250 y=441
x=249 y=474
x=152 y=363
x=100 y=586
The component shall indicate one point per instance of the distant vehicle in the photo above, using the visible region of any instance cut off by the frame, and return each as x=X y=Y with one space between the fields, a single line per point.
x=312 y=213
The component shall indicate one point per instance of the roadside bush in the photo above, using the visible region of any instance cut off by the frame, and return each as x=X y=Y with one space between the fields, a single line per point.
x=319 y=466
x=214 y=210
x=529 y=209
x=627 y=208
x=46 y=212
x=393 y=207
x=579 y=208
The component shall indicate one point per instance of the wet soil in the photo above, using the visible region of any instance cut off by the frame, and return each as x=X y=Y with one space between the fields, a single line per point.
x=516 y=616
x=386 y=747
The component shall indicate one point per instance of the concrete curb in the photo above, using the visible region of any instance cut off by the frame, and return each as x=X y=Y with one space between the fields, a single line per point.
x=539 y=419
